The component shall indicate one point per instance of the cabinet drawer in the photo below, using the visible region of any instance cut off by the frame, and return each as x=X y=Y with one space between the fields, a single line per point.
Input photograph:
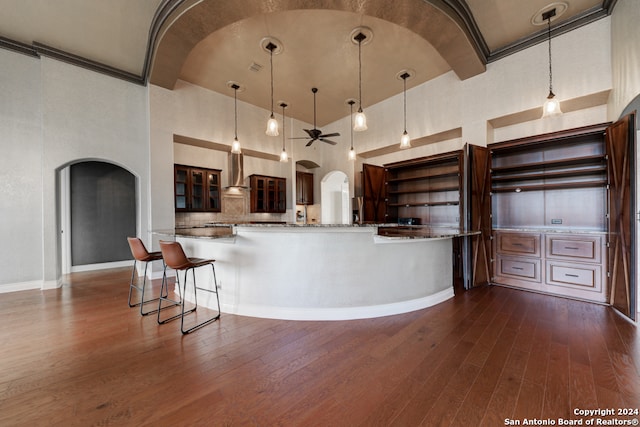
x=583 y=276
x=528 y=269
x=580 y=248
x=518 y=244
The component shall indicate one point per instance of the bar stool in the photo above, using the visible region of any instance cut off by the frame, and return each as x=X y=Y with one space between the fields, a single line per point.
x=140 y=254
x=175 y=258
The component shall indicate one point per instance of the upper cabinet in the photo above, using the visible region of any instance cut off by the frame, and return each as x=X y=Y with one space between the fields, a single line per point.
x=196 y=189
x=304 y=188
x=557 y=181
x=268 y=194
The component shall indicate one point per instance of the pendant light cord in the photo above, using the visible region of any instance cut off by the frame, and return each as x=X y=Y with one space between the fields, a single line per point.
x=360 y=72
x=351 y=105
x=283 y=125
x=271 y=63
x=404 y=80
x=235 y=111
x=550 y=72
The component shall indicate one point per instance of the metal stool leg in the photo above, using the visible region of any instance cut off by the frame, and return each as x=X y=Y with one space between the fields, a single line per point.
x=142 y=289
x=195 y=297
x=173 y=303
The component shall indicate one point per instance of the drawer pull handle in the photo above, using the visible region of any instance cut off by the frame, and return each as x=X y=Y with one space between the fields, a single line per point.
x=571 y=275
x=517 y=244
x=572 y=248
x=517 y=268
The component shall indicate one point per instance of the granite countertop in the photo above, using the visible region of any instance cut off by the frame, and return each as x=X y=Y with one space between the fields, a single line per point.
x=423 y=232
x=199 y=232
x=550 y=230
x=287 y=224
x=391 y=231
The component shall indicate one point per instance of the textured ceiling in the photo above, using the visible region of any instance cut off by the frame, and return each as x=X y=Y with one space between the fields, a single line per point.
x=210 y=42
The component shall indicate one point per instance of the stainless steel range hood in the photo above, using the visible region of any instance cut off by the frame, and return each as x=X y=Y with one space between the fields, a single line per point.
x=236 y=171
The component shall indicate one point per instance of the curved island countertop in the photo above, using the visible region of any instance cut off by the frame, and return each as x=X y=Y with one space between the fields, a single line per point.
x=321 y=272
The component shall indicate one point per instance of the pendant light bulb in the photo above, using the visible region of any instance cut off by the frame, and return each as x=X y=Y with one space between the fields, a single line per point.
x=360 y=121
x=551 y=106
x=405 y=140
x=235 y=146
x=284 y=157
x=272 y=127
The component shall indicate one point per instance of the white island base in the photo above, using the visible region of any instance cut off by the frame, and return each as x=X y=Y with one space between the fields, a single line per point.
x=323 y=273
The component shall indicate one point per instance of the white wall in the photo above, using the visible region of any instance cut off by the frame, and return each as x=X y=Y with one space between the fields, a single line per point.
x=21 y=186
x=625 y=55
x=56 y=114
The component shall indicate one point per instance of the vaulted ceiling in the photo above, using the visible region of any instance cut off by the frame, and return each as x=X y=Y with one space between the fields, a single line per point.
x=213 y=42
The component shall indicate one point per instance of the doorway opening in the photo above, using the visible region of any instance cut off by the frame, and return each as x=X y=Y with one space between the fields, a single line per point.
x=98 y=212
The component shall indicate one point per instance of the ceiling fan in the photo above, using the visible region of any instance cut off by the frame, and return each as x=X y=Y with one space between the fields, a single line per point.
x=316 y=134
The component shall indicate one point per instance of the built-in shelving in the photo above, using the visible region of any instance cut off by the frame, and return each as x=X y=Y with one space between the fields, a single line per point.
x=427 y=189
x=549 y=209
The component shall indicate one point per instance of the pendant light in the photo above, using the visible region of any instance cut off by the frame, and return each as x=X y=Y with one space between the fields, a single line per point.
x=361 y=119
x=272 y=123
x=405 y=141
x=352 y=152
x=284 y=157
x=551 y=105
x=235 y=146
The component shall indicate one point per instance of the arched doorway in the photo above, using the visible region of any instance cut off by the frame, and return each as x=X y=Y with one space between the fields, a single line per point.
x=334 y=192
x=98 y=211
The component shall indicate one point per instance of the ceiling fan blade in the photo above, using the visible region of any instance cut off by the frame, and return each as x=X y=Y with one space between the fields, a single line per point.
x=310 y=142
x=301 y=137
x=309 y=131
x=329 y=135
x=328 y=141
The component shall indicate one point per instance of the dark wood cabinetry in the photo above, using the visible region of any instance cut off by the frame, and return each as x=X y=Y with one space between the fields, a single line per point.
x=268 y=194
x=304 y=188
x=196 y=189
x=552 y=210
x=427 y=189
x=449 y=190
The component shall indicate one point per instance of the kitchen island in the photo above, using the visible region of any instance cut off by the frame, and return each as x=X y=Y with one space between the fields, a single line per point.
x=321 y=272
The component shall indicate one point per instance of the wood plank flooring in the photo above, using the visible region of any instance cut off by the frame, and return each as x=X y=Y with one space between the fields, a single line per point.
x=80 y=356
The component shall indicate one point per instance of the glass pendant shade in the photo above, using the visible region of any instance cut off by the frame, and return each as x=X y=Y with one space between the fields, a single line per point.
x=360 y=122
x=272 y=127
x=284 y=157
x=235 y=146
x=405 y=140
x=352 y=154
x=551 y=106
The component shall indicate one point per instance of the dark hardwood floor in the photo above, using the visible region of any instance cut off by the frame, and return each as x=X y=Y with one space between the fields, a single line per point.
x=79 y=356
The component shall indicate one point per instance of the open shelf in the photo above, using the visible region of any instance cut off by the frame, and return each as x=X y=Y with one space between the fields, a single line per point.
x=543 y=187
x=576 y=161
x=425 y=204
x=598 y=170
x=425 y=190
x=415 y=186
x=423 y=177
